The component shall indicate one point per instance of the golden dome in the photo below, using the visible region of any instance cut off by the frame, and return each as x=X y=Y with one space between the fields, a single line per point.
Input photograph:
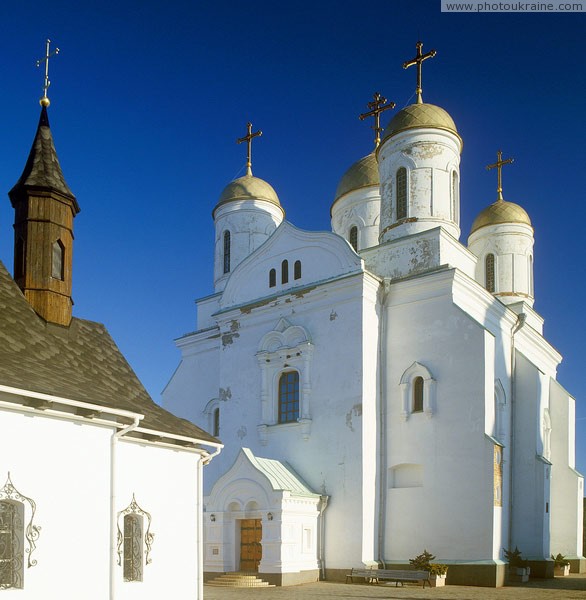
x=420 y=115
x=501 y=211
x=363 y=173
x=248 y=187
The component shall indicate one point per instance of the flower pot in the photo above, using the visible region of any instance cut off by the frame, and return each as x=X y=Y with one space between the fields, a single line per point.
x=561 y=570
x=437 y=580
x=519 y=574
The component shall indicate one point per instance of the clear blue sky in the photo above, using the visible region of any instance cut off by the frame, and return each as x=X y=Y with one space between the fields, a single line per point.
x=148 y=98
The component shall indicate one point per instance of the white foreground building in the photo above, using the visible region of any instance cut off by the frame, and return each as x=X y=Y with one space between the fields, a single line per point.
x=100 y=488
x=382 y=388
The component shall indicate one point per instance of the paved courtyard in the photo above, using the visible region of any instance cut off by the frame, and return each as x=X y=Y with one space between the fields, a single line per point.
x=560 y=588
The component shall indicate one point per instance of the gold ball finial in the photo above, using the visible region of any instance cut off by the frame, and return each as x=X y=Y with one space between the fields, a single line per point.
x=45 y=102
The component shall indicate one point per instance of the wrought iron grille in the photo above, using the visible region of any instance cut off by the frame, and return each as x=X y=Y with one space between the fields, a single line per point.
x=132 y=538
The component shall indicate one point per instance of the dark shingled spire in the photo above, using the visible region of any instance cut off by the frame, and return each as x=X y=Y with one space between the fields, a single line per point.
x=42 y=169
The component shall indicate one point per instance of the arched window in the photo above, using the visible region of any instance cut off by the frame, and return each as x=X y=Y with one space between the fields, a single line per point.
x=289 y=397
x=132 y=547
x=489 y=272
x=284 y=272
x=216 y=422
x=297 y=270
x=58 y=264
x=417 y=395
x=454 y=196
x=226 y=251
x=272 y=278
x=11 y=544
x=353 y=237
x=401 y=193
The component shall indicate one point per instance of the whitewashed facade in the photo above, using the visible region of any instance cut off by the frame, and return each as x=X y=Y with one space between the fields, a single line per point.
x=429 y=415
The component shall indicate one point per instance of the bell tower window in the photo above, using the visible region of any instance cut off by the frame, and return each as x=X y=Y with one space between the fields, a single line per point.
x=285 y=272
x=226 y=252
x=401 y=193
x=272 y=278
x=297 y=270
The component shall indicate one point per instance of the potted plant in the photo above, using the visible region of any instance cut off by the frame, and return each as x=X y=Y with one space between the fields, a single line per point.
x=561 y=567
x=518 y=567
x=437 y=572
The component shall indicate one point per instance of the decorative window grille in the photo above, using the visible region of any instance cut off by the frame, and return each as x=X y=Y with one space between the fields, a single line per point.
x=289 y=397
x=401 y=193
x=489 y=272
x=297 y=270
x=284 y=272
x=418 y=394
x=353 y=237
x=15 y=533
x=134 y=541
x=58 y=263
x=272 y=278
x=226 y=251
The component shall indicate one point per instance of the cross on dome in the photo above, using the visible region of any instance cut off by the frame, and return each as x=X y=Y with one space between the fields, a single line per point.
x=44 y=101
x=498 y=165
x=378 y=105
x=418 y=60
x=248 y=139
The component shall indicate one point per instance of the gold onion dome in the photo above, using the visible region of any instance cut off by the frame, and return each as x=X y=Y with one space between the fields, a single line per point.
x=248 y=187
x=499 y=212
x=363 y=173
x=420 y=115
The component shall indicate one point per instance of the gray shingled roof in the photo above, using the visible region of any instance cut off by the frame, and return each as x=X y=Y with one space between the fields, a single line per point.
x=79 y=362
x=42 y=169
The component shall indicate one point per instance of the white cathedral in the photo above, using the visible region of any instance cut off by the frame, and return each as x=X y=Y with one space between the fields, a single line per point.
x=383 y=388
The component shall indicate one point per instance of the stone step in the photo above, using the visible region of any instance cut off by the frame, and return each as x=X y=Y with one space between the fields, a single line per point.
x=238 y=580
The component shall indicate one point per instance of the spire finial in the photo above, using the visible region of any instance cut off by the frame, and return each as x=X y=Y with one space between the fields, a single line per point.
x=418 y=60
x=378 y=105
x=44 y=101
x=498 y=165
x=248 y=139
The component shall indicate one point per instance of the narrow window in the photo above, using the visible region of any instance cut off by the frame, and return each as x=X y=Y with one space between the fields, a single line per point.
x=284 y=272
x=216 y=427
x=401 y=193
x=58 y=264
x=489 y=272
x=272 y=278
x=418 y=394
x=353 y=238
x=297 y=269
x=11 y=547
x=454 y=196
x=132 y=547
x=226 y=251
x=289 y=397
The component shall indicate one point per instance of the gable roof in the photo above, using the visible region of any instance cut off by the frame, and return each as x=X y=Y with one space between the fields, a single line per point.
x=80 y=362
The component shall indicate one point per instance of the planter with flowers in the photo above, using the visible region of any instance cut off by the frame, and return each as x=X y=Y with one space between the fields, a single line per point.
x=561 y=567
x=437 y=572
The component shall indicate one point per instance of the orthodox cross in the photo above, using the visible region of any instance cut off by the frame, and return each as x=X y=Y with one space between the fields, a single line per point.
x=498 y=165
x=418 y=60
x=48 y=54
x=248 y=139
x=377 y=106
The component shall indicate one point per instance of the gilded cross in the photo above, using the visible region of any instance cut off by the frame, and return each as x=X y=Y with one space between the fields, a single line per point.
x=48 y=54
x=378 y=105
x=248 y=139
x=498 y=165
x=418 y=60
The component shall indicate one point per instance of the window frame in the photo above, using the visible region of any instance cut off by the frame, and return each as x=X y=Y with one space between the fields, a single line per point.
x=401 y=193
x=288 y=397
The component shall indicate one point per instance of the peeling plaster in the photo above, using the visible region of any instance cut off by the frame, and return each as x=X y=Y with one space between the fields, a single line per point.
x=333 y=315
x=228 y=338
x=224 y=394
x=356 y=411
x=242 y=432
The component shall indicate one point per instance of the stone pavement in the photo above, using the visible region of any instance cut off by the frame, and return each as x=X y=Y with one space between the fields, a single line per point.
x=560 y=588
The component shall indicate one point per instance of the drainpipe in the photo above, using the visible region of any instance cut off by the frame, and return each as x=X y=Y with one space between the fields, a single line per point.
x=113 y=446
x=199 y=517
x=521 y=317
x=322 y=532
x=382 y=424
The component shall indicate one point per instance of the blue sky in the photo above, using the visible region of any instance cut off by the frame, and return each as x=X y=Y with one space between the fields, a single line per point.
x=148 y=98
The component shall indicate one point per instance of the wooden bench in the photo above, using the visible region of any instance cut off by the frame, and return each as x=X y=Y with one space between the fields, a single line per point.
x=396 y=575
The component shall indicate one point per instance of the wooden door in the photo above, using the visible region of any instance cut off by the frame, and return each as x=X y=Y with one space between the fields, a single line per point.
x=250 y=546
